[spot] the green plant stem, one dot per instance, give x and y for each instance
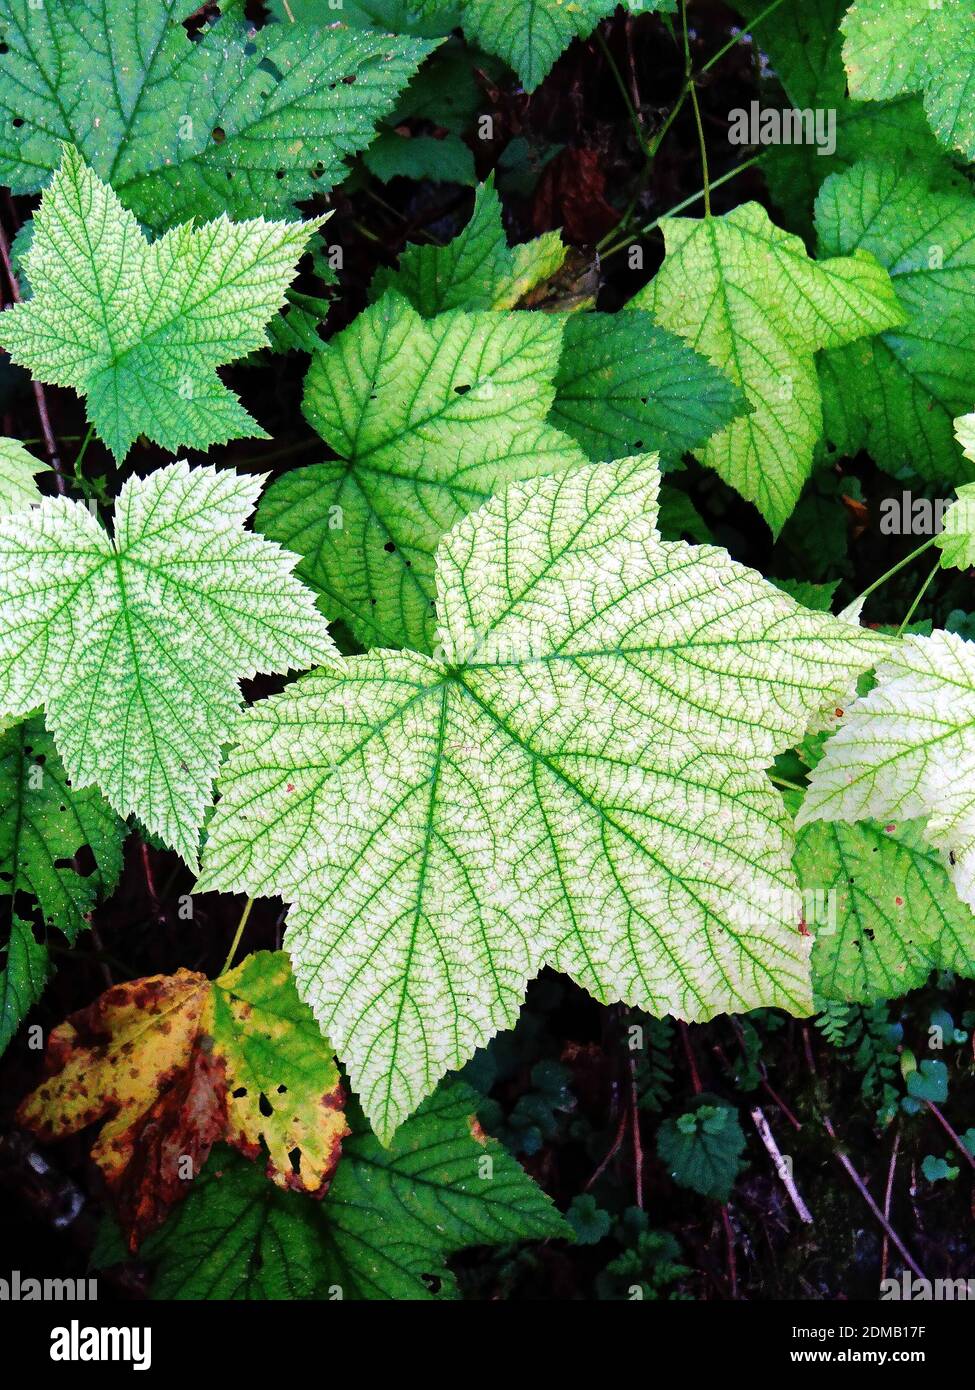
(65, 439)
(688, 70)
(80, 456)
(675, 111)
(746, 29)
(895, 569)
(679, 207)
(784, 782)
(237, 935)
(918, 597)
(653, 145)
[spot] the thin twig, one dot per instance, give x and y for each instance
(732, 1262)
(637, 1141)
(614, 1149)
(858, 1182)
(781, 1166)
(861, 1187)
(955, 1138)
(150, 883)
(102, 956)
(50, 443)
(888, 1192)
(685, 1038)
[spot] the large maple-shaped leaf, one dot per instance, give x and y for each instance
(746, 294)
(429, 419)
(906, 751)
(136, 643)
(18, 469)
(384, 1231)
(580, 781)
(45, 825)
(139, 327)
(928, 46)
(897, 394)
(174, 1063)
(241, 120)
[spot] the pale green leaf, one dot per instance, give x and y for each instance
(928, 46)
(428, 419)
(241, 120)
(388, 16)
(18, 469)
(746, 295)
(965, 434)
(957, 540)
(904, 751)
(135, 643)
(384, 1230)
(138, 328)
(580, 782)
(897, 394)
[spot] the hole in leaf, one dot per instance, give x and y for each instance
(219, 134)
(265, 1106)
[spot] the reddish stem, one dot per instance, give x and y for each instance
(637, 1141)
(685, 1038)
(50, 443)
(732, 1263)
